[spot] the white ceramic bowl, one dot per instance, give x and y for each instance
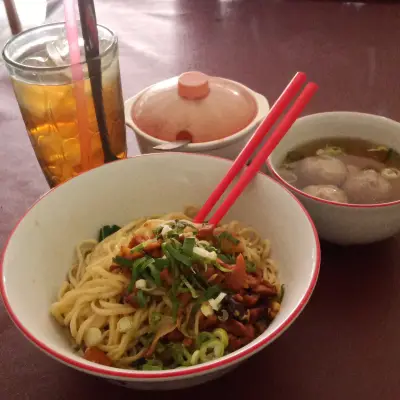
(41, 249)
(228, 147)
(340, 223)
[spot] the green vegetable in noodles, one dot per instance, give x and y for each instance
(221, 268)
(188, 245)
(152, 365)
(227, 259)
(142, 299)
(123, 262)
(190, 287)
(222, 335)
(250, 266)
(155, 273)
(107, 230)
(138, 248)
(226, 235)
(211, 349)
(195, 358)
(185, 260)
(204, 337)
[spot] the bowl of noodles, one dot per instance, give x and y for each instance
(119, 282)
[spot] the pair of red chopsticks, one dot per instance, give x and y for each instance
(287, 121)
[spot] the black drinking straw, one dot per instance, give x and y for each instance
(92, 52)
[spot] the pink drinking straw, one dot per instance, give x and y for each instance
(78, 83)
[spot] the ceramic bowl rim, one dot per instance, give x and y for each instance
(350, 114)
(116, 373)
(203, 146)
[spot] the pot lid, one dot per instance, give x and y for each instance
(194, 106)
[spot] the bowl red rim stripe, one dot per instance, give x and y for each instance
(201, 368)
(333, 203)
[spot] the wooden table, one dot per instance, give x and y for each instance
(345, 344)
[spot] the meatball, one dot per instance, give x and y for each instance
(322, 170)
(327, 192)
(367, 187)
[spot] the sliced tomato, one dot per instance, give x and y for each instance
(94, 354)
(237, 279)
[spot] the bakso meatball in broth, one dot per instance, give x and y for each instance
(367, 187)
(322, 170)
(327, 192)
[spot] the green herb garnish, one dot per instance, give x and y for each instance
(226, 235)
(188, 245)
(228, 259)
(107, 230)
(221, 268)
(190, 287)
(138, 248)
(250, 267)
(177, 255)
(141, 298)
(123, 262)
(152, 365)
(175, 306)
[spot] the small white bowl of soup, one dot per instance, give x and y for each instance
(117, 281)
(345, 168)
(217, 115)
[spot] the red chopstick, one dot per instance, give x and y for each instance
(285, 124)
(275, 112)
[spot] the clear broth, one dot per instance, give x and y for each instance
(358, 156)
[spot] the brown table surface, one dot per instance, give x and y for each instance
(345, 345)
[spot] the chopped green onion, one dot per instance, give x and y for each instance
(228, 259)
(197, 280)
(135, 272)
(190, 287)
(148, 278)
(157, 231)
(195, 357)
(161, 263)
(178, 256)
(123, 262)
(226, 235)
(203, 337)
(222, 335)
(250, 267)
(146, 262)
(181, 355)
(138, 248)
(389, 155)
(155, 273)
(221, 268)
(170, 259)
(152, 365)
(188, 245)
(175, 307)
(211, 292)
(211, 349)
(108, 230)
(142, 299)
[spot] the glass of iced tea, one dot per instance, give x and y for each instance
(38, 63)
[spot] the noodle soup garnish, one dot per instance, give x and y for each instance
(166, 292)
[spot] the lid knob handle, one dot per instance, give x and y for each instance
(193, 85)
